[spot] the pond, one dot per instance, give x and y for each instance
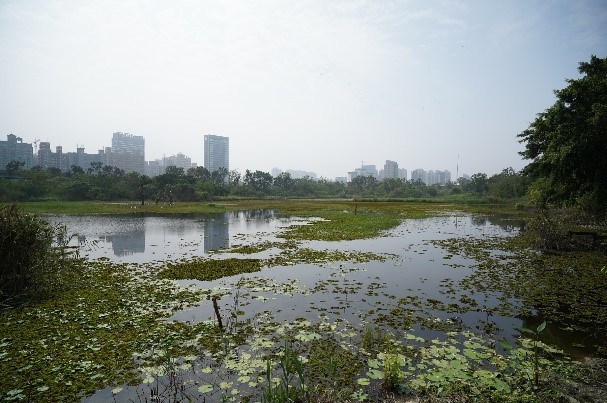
(141, 239)
(406, 281)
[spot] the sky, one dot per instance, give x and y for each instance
(314, 85)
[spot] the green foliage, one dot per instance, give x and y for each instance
(14, 166)
(28, 253)
(551, 230)
(205, 269)
(567, 142)
(507, 185)
(84, 338)
(105, 182)
(478, 183)
(338, 226)
(290, 386)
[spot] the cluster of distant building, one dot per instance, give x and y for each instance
(391, 170)
(294, 173)
(128, 153)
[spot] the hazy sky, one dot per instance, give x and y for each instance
(311, 85)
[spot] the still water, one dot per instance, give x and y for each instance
(415, 275)
(141, 239)
(413, 266)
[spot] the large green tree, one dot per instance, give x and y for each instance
(567, 143)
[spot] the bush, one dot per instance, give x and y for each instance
(27, 252)
(552, 229)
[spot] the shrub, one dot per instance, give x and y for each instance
(27, 252)
(551, 230)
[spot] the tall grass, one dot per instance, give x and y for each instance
(29, 252)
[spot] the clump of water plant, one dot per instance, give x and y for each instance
(339, 226)
(290, 385)
(208, 269)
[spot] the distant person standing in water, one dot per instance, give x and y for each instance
(141, 195)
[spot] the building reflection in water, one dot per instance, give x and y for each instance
(130, 241)
(216, 232)
(165, 235)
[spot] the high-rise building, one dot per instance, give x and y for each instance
(159, 166)
(128, 152)
(216, 152)
(364, 170)
(419, 175)
(390, 169)
(14, 149)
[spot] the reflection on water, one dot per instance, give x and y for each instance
(127, 244)
(136, 238)
(216, 233)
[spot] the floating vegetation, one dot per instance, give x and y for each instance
(82, 340)
(254, 248)
(564, 287)
(341, 226)
(208, 269)
(314, 256)
(355, 336)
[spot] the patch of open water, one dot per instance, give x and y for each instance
(417, 279)
(414, 269)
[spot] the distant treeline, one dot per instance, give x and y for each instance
(198, 184)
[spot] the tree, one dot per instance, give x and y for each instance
(220, 176)
(284, 183)
(478, 183)
(96, 168)
(76, 170)
(507, 185)
(362, 184)
(567, 143)
(14, 166)
(259, 181)
(200, 173)
(235, 177)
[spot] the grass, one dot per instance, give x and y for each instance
(304, 207)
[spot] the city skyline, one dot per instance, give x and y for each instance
(314, 85)
(134, 146)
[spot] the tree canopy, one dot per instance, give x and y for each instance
(567, 143)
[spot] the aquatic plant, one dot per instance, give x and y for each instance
(208, 269)
(32, 251)
(282, 389)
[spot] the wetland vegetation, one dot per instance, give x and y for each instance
(339, 301)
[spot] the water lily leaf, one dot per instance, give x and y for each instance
(373, 363)
(205, 388)
(375, 374)
(505, 345)
(360, 396)
(363, 381)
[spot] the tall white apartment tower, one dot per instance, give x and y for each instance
(216, 152)
(390, 169)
